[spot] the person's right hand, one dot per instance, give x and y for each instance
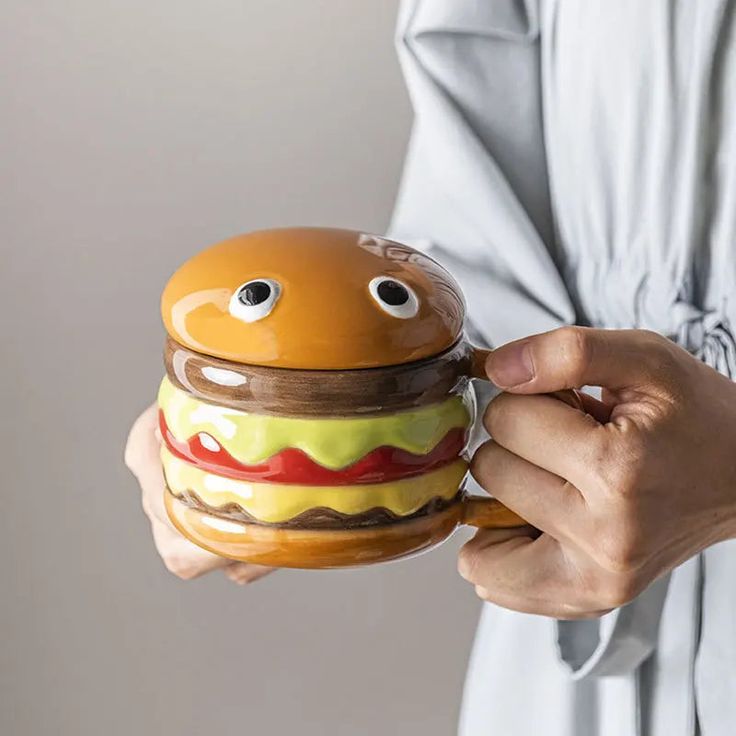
(181, 557)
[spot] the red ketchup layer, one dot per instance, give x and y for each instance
(291, 465)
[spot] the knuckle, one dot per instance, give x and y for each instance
(483, 460)
(180, 566)
(619, 556)
(599, 444)
(577, 351)
(154, 510)
(144, 425)
(468, 563)
(618, 591)
(657, 344)
(131, 456)
(619, 467)
(483, 593)
(663, 358)
(618, 551)
(497, 413)
(146, 505)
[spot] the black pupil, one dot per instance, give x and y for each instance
(256, 292)
(393, 293)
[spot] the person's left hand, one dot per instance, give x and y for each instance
(179, 555)
(621, 494)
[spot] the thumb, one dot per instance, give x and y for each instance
(573, 357)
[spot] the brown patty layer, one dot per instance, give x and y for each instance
(295, 392)
(319, 517)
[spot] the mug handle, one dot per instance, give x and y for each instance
(486, 512)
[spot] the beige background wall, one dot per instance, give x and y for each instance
(132, 133)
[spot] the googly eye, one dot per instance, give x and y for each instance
(255, 299)
(394, 297)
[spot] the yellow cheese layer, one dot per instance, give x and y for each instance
(278, 502)
(332, 442)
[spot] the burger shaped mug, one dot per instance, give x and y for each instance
(316, 405)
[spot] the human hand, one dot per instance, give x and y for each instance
(621, 494)
(179, 555)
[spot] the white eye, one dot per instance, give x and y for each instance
(255, 299)
(394, 297)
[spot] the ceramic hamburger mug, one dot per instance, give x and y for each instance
(317, 403)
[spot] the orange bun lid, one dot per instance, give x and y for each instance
(313, 298)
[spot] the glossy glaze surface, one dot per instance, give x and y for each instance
(274, 503)
(292, 465)
(302, 392)
(306, 548)
(323, 310)
(317, 402)
(332, 442)
(313, 471)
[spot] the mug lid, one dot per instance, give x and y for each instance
(313, 298)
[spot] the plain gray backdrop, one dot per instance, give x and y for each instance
(133, 133)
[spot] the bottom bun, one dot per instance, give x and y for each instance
(311, 548)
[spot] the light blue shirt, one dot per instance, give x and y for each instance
(574, 161)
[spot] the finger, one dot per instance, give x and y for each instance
(496, 536)
(142, 456)
(243, 573)
(180, 556)
(548, 433)
(599, 410)
(522, 574)
(153, 488)
(573, 357)
(557, 612)
(142, 444)
(545, 500)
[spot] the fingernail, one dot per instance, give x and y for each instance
(511, 365)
